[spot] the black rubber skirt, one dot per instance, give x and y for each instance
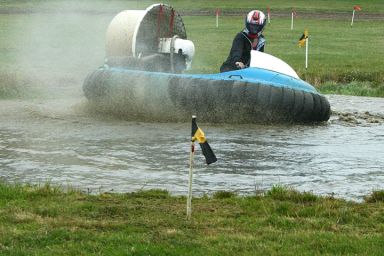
(146, 96)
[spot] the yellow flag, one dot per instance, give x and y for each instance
(199, 136)
(303, 38)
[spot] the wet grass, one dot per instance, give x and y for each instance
(355, 88)
(340, 60)
(15, 84)
(44, 220)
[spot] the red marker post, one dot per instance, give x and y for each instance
(355, 8)
(217, 17)
(293, 14)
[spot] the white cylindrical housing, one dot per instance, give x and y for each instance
(138, 32)
(120, 33)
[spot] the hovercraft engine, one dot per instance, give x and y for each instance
(152, 40)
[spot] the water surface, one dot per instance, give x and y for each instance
(60, 142)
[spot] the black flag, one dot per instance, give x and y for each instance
(198, 134)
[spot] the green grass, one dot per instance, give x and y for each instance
(65, 49)
(337, 52)
(44, 220)
(16, 84)
(325, 6)
(355, 88)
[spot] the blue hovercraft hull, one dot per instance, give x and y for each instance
(249, 95)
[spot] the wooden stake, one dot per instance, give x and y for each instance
(189, 199)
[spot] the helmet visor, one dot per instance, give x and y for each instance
(255, 28)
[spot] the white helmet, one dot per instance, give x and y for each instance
(255, 22)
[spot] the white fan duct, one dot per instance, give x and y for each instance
(158, 30)
(269, 62)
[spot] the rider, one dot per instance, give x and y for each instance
(250, 38)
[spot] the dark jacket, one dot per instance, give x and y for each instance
(241, 51)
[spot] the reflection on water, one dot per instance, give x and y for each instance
(60, 143)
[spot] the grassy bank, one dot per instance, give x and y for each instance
(15, 84)
(338, 54)
(325, 6)
(46, 221)
(71, 44)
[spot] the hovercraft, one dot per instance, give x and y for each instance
(142, 79)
